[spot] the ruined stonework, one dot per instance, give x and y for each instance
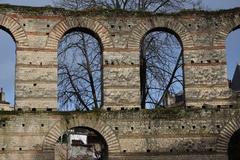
(200, 131)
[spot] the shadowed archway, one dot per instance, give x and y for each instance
(234, 146)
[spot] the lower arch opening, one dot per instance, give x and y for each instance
(81, 143)
(234, 146)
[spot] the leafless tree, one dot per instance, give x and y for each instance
(161, 68)
(161, 58)
(79, 72)
(133, 5)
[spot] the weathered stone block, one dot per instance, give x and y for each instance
(37, 58)
(120, 96)
(114, 77)
(36, 74)
(35, 90)
(206, 75)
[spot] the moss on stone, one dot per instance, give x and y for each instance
(144, 114)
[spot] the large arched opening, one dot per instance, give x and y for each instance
(234, 146)
(233, 59)
(81, 143)
(7, 69)
(80, 70)
(161, 69)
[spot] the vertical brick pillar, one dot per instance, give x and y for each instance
(205, 67)
(36, 66)
(205, 76)
(36, 79)
(121, 79)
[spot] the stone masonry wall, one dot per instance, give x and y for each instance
(200, 131)
(158, 134)
(37, 32)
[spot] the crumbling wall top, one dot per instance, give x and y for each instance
(52, 11)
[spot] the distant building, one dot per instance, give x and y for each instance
(4, 105)
(235, 85)
(173, 100)
(79, 143)
(2, 95)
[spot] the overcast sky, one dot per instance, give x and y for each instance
(7, 46)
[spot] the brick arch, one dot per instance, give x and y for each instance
(61, 126)
(69, 23)
(224, 28)
(15, 29)
(140, 31)
(226, 134)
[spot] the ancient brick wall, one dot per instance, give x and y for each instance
(37, 32)
(160, 134)
(201, 133)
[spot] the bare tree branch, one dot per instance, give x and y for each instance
(136, 5)
(80, 83)
(79, 72)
